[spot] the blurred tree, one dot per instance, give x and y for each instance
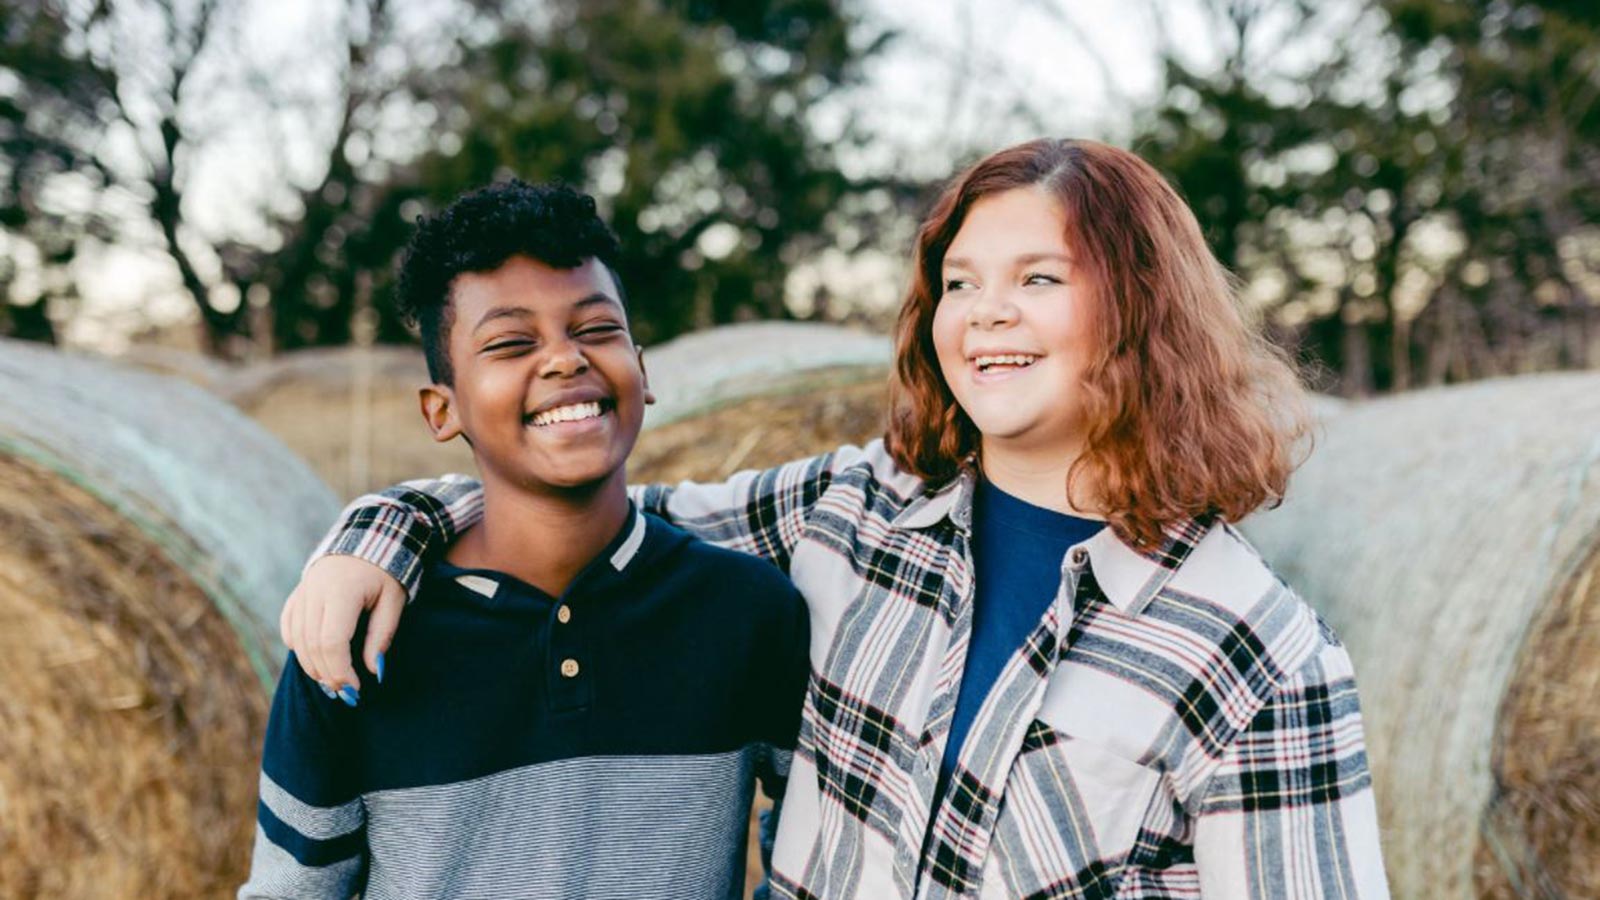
(1415, 205)
(692, 122)
(96, 114)
(47, 94)
(695, 122)
(1524, 117)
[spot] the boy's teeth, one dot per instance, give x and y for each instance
(568, 413)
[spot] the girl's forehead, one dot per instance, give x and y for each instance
(1026, 221)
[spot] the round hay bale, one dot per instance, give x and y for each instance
(705, 370)
(351, 413)
(811, 415)
(1452, 537)
(150, 534)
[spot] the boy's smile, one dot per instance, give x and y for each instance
(549, 388)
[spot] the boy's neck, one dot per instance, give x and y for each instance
(545, 539)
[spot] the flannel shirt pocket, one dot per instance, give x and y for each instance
(1095, 799)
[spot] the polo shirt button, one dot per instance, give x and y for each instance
(569, 668)
(564, 614)
(1079, 556)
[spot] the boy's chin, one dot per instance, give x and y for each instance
(575, 478)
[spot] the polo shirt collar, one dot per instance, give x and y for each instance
(1130, 577)
(615, 560)
(622, 555)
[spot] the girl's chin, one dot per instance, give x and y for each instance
(1031, 437)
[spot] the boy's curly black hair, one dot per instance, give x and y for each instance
(478, 232)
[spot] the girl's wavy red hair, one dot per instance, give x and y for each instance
(1190, 412)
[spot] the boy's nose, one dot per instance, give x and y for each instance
(563, 360)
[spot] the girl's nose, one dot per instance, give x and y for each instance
(992, 308)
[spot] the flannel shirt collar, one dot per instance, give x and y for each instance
(1129, 577)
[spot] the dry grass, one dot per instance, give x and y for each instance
(131, 720)
(1542, 835)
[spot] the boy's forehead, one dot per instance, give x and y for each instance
(528, 287)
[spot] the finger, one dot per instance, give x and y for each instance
(338, 628)
(381, 626)
(290, 629)
(307, 621)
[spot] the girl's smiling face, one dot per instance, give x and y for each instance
(1012, 325)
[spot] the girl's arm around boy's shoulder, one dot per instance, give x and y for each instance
(394, 528)
(757, 512)
(763, 511)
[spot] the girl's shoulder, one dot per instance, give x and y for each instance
(1229, 574)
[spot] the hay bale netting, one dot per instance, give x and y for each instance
(150, 533)
(1452, 537)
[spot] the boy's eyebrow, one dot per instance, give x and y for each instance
(598, 297)
(502, 312)
(961, 262)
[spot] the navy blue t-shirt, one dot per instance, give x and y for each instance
(1017, 549)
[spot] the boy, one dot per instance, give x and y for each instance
(582, 696)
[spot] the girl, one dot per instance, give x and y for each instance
(1044, 662)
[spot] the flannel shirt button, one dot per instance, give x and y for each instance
(569, 668)
(564, 614)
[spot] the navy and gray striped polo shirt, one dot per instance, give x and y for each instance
(604, 743)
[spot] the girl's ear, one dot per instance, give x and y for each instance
(439, 410)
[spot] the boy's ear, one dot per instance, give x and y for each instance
(648, 396)
(439, 409)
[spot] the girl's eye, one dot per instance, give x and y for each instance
(956, 284)
(603, 330)
(1040, 278)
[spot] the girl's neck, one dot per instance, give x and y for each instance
(1040, 478)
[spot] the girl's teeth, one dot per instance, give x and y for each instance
(1010, 359)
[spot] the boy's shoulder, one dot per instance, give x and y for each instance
(690, 554)
(714, 572)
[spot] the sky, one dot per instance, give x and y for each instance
(960, 77)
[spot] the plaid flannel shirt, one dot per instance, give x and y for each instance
(1178, 724)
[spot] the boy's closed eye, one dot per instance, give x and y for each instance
(509, 346)
(600, 330)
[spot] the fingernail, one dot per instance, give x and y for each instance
(380, 668)
(349, 695)
(327, 690)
